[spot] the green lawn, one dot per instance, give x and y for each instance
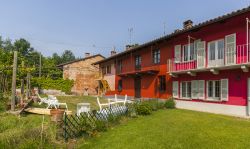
(175, 129)
(163, 129)
(73, 100)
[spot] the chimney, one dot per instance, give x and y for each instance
(86, 54)
(128, 47)
(188, 24)
(113, 52)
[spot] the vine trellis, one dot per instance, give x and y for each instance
(4, 82)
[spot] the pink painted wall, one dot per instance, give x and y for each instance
(214, 32)
(237, 78)
(237, 81)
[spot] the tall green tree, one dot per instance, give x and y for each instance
(67, 56)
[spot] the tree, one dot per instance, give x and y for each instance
(67, 56)
(56, 58)
(23, 47)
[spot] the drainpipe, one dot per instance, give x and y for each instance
(247, 42)
(247, 38)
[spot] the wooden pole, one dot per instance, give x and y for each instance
(13, 92)
(22, 91)
(28, 86)
(40, 65)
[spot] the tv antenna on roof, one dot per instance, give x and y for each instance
(164, 27)
(130, 30)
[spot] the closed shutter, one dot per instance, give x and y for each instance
(194, 86)
(201, 54)
(230, 49)
(224, 89)
(201, 89)
(175, 89)
(177, 53)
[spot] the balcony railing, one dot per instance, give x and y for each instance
(202, 60)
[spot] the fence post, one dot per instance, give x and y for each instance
(13, 93)
(65, 127)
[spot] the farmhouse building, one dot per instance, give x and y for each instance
(84, 74)
(204, 67)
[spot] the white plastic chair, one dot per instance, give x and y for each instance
(121, 100)
(101, 105)
(52, 101)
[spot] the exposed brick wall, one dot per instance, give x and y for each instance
(84, 75)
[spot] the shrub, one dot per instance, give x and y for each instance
(101, 126)
(170, 103)
(48, 83)
(143, 109)
(161, 105)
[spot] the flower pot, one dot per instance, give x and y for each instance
(56, 115)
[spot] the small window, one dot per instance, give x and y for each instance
(138, 62)
(162, 83)
(186, 89)
(120, 85)
(156, 56)
(108, 69)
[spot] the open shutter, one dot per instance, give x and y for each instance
(201, 57)
(181, 89)
(224, 89)
(175, 89)
(201, 89)
(177, 53)
(194, 89)
(230, 49)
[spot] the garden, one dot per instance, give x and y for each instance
(153, 124)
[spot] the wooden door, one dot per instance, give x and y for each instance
(137, 85)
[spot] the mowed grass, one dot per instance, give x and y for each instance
(163, 129)
(72, 101)
(167, 129)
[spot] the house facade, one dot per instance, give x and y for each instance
(106, 79)
(209, 66)
(84, 74)
(204, 67)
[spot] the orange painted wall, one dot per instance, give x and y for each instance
(149, 83)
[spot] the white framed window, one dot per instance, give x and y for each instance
(216, 52)
(188, 52)
(197, 89)
(213, 90)
(186, 90)
(217, 90)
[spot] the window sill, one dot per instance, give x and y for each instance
(185, 98)
(212, 100)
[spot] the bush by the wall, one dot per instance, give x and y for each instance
(170, 103)
(48, 83)
(143, 109)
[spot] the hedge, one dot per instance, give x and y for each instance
(58, 84)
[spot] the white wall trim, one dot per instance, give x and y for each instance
(231, 110)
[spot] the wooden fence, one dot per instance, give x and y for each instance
(75, 126)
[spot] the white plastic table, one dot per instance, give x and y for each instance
(83, 107)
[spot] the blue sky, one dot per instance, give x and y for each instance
(96, 26)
